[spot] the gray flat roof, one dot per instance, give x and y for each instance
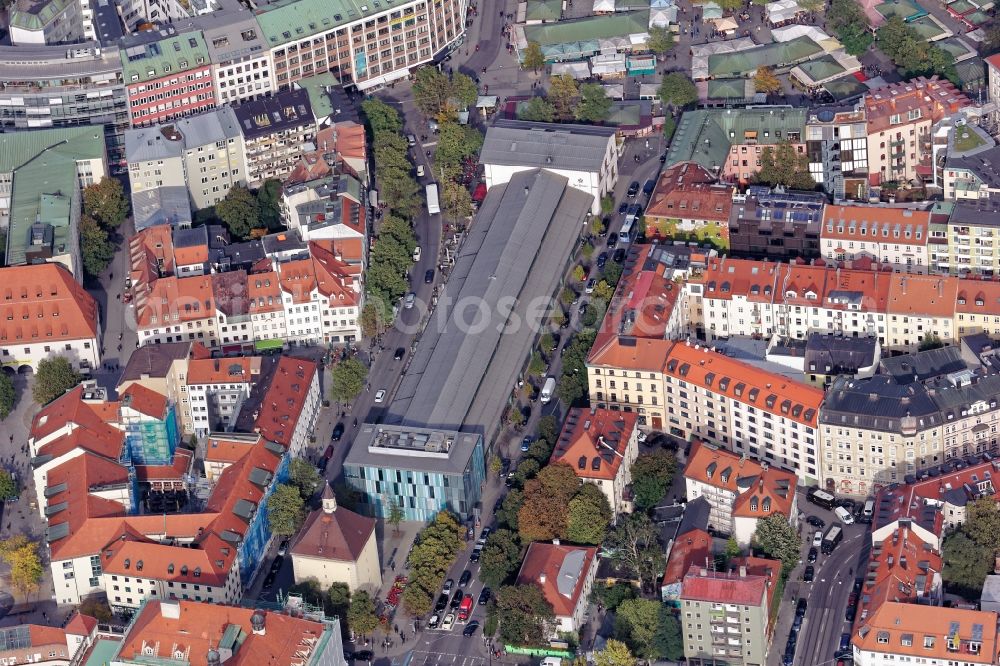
(157, 142)
(33, 63)
(457, 378)
(161, 205)
(546, 145)
(229, 35)
(416, 449)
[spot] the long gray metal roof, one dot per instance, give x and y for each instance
(416, 449)
(160, 142)
(516, 253)
(546, 145)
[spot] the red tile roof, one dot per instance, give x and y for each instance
(594, 437)
(145, 401)
(688, 190)
(43, 302)
(726, 588)
(951, 631)
(935, 98)
(770, 490)
(239, 370)
(927, 295)
(199, 627)
(339, 535)
(693, 548)
(282, 404)
(207, 562)
(542, 566)
(183, 463)
(172, 300)
(900, 568)
(876, 224)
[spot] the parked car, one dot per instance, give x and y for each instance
(442, 602)
(338, 432)
(470, 628)
(434, 621)
(420, 171)
(800, 606)
(400, 353)
(619, 256)
(850, 613)
(817, 539)
(379, 395)
(283, 548)
(602, 259)
(476, 552)
(816, 521)
(663, 158)
(526, 443)
(411, 298)
(648, 187)
(813, 554)
(429, 276)
(448, 586)
(622, 207)
(449, 622)
(466, 577)
(633, 188)
(484, 596)
(456, 600)
(591, 284)
(809, 574)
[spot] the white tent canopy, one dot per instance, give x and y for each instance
(604, 6)
(608, 63)
(577, 69)
(782, 11)
(614, 90)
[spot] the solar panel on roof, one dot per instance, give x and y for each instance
(15, 638)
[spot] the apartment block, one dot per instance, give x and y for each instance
(167, 76)
(565, 575)
(601, 445)
(686, 198)
(900, 118)
(276, 132)
(724, 616)
(775, 223)
(895, 236)
(972, 236)
(241, 62)
(200, 158)
(739, 490)
(366, 47)
(897, 632)
(38, 22)
(837, 146)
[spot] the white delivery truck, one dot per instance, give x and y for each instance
(547, 389)
(433, 207)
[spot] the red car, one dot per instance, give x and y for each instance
(329, 452)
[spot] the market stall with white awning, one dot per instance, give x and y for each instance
(578, 69)
(608, 64)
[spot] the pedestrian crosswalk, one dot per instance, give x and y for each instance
(423, 658)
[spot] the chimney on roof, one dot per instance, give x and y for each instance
(541, 578)
(556, 542)
(213, 658)
(257, 624)
(170, 610)
(743, 571)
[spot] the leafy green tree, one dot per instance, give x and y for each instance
(312, 594)
(464, 90)
(668, 642)
(239, 211)
(432, 555)
(765, 81)
(534, 59)
(660, 40)
(500, 558)
(537, 110)
(911, 53)
(285, 510)
(544, 513)
(395, 516)
(677, 90)
(8, 396)
(982, 523)
(603, 291)
(348, 380)
(526, 470)
(784, 165)
(562, 95)
(55, 376)
(612, 273)
(398, 190)
(456, 200)
(269, 204)
(361, 615)
(96, 250)
(8, 489)
(524, 615)
(303, 475)
(636, 622)
(652, 474)
(97, 609)
(456, 143)
(929, 342)
(431, 89)
(507, 514)
(390, 152)
(732, 550)
(849, 23)
(612, 596)
(615, 653)
(966, 563)
(594, 106)
(339, 599)
(573, 384)
(634, 542)
(589, 516)
(548, 426)
(776, 539)
(106, 202)
(381, 117)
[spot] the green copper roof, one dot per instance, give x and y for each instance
(748, 61)
(315, 87)
(544, 10)
(621, 24)
(705, 136)
(44, 163)
(179, 53)
(36, 15)
(291, 20)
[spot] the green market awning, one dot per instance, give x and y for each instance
(268, 345)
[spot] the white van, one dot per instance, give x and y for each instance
(548, 389)
(844, 515)
(416, 253)
(869, 509)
